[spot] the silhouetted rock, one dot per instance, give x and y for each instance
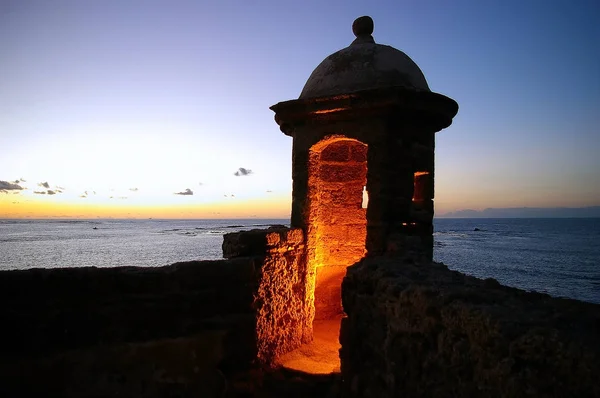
(425, 331)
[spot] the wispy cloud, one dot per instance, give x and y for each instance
(48, 191)
(6, 186)
(133, 189)
(242, 172)
(186, 192)
(85, 194)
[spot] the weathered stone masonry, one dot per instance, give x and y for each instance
(190, 329)
(365, 120)
(425, 331)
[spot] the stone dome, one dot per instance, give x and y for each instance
(363, 65)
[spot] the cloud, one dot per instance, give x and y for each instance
(242, 172)
(44, 184)
(6, 186)
(200, 183)
(269, 191)
(186, 192)
(39, 192)
(51, 192)
(133, 189)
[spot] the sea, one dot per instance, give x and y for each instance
(557, 256)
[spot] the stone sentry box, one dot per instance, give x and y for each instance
(366, 118)
(365, 121)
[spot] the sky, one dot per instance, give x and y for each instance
(160, 109)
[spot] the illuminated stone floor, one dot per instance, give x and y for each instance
(322, 355)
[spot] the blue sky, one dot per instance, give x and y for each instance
(140, 100)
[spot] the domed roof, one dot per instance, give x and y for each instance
(363, 65)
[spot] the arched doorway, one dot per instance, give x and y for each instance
(336, 230)
(335, 238)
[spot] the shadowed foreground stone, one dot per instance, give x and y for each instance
(426, 331)
(195, 329)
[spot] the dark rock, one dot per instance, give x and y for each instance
(426, 331)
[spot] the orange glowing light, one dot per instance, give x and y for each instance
(421, 189)
(321, 356)
(328, 111)
(335, 239)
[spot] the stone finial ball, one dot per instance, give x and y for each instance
(362, 26)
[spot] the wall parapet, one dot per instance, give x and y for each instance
(427, 331)
(283, 299)
(196, 328)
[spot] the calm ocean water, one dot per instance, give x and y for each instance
(560, 257)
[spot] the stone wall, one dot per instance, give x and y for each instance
(283, 296)
(190, 329)
(426, 331)
(399, 177)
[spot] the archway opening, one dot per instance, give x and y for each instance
(336, 235)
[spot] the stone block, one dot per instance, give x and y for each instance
(328, 299)
(256, 242)
(338, 151)
(347, 197)
(358, 153)
(342, 173)
(349, 217)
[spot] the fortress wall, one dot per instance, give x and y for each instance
(189, 329)
(426, 331)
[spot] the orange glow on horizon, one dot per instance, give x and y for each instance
(272, 207)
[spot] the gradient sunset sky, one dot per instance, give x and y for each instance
(141, 108)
